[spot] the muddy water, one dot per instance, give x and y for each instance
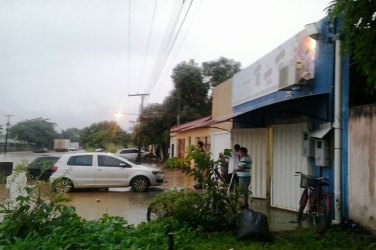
(132, 206)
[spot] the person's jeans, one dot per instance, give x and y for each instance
(244, 183)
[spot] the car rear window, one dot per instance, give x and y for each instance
(108, 161)
(42, 161)
(80, 160)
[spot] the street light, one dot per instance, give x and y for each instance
(6, 133)
(119, 114)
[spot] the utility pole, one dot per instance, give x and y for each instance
(141, 109)
(6, 133)
(142, 100)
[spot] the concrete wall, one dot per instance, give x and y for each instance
(362, 166)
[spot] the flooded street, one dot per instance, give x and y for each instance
(123, 202)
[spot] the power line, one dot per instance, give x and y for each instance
(184, 37)
(149, 42)
(188, 29)
(154, 81)
(177, 19)
(165, 46)
(129, 41)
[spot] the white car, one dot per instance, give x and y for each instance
(131, 153)
(102, 170)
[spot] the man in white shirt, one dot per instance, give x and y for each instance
(234, 159)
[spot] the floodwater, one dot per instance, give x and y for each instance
(123, 202)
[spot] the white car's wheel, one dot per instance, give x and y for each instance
(140, 184)
(63, 185)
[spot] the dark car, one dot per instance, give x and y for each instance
(40, 168)
(40, 150)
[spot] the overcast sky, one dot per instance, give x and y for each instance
(75, 62)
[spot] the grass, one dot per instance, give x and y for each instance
(335, 238)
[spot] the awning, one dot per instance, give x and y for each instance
(320, 133)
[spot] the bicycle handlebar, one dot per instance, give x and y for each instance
(322, 179)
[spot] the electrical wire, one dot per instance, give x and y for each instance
(148, 43)
(165, 48)
(129, 41)
(188, 29)
(127, 83)
(184, 37)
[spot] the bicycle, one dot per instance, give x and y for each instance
(318, 201)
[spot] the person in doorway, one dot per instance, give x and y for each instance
(200, 146)
(244, 174)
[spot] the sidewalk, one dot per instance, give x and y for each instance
(278, 219)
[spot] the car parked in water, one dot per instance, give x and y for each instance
(41, 167)
(131, 153)
(102, 170)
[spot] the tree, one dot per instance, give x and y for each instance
(188, 101)
(37, 131)
(104, 135)
(154, 127)
(190, 91)
(218, 71)
(73, 134)
(358, 33)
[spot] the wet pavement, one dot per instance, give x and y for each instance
(123, 202)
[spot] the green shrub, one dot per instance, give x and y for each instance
(212, 210)
(42, 220)
(174, 162)
(194, 210)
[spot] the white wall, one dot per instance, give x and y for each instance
(287, 158)
(255, 140)
(219, 142)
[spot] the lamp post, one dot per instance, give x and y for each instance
(6, 133)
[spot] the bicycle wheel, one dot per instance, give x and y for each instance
(302, 204)
(322, 217)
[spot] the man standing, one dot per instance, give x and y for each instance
(244, 174)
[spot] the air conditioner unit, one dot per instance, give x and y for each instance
(291, 76)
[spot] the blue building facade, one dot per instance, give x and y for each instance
(262, 100)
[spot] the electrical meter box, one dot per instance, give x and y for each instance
(308, 145)
(321, 153)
